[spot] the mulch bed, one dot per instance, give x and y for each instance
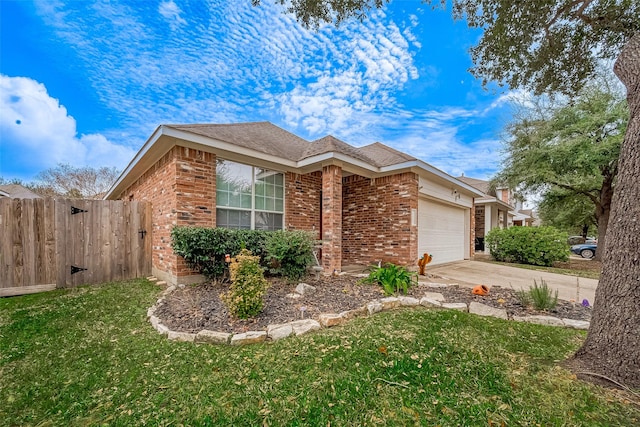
(193, 308)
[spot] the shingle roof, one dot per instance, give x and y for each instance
(17, 191)
(268, 138)
(383, 155)
(330, 144)
(480, 184)
(264, 137)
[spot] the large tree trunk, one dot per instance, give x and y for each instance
(612, 347)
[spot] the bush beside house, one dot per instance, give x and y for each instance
(528, 245)
(284, 253)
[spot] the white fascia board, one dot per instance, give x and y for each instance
(490, 200)
(486, 200)
(331, 156)
(145, 148)
(519, 215)
(434, 171)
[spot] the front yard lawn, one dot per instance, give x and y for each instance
(88, 356)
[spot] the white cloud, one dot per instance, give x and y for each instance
(36, 128)
(257, 62)
(172, 13)
(232, 62)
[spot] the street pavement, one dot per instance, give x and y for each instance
(472, 273)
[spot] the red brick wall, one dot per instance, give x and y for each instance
(332, 218)
(376, 219)
(302, 199)
(181, 189)
(195, 187)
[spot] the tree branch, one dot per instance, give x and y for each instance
(579, 14)
(591, 197)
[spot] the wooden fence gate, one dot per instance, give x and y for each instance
(55, 243)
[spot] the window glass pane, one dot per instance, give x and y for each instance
(268, 221)
(228, 218)
(221, 184)
(234, 178)
(222, 198)
(222, 218)
(260, 188)
(277, 221)
(270, 190)
(234, 199)
(246, 201)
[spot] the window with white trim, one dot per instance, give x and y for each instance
(248, 197)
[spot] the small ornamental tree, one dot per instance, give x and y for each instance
(245, 297)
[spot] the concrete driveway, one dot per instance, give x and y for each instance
(472, 273)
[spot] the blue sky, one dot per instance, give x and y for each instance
(87, 82)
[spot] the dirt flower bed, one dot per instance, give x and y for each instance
(196, 307)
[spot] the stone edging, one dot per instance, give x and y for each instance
(327, 320)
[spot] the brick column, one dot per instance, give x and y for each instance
(332, 218)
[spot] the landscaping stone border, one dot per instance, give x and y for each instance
(327, 320)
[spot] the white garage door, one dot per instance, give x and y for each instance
(441, 231)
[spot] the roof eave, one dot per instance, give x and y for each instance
(190, 140)
(136, 159)
(435, 171)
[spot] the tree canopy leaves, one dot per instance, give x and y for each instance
(570, 156)
(547, 46)
(572, 149)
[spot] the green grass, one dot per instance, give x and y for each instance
(88, 357)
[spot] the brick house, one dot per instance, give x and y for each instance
(366, 204)
(497, 208)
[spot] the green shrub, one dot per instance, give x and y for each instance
(528, 245)
(393, 278)
(204, 248)
(245, 297)
(289, 253)
(540, 297)
(285, 253)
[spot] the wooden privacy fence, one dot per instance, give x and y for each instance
(55, 243)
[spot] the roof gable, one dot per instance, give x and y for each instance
(384, 155)
(480, 184)
(17, 191)
(330, 144)
(264, 137)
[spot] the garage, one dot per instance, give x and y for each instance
(442, 231)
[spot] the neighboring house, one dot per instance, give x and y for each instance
(531, 218)
(366, 204)
(17, 191)
(497, 208)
